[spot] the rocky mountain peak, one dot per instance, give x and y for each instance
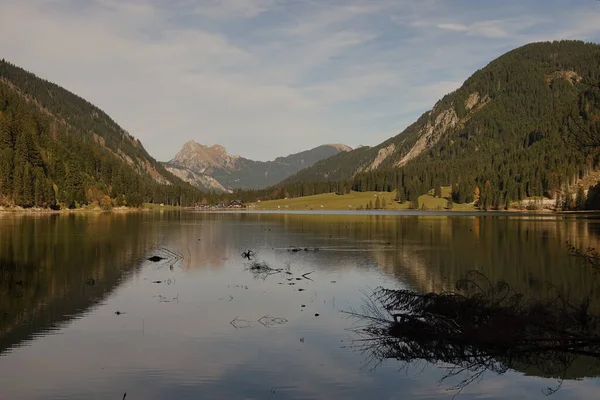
(196, 163)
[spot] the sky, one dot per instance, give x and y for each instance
(266, 78)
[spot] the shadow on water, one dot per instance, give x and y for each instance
(55, 268)
(480, 327)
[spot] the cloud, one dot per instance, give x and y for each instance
(270, 77)
(453, 27)
(487, 29)
(492, 29)
(230, 9)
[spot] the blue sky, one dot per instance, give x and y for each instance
(266, 78)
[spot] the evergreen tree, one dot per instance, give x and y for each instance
(506, 203)
(580, 198)
(400, 195)
(455, 194)
(486, 197)
(27, 194)
(593, 198)
(18, 183)
(6, 172)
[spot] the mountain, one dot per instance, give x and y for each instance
(509, 132)
(213, 168)
(199, 180)
(57, 149)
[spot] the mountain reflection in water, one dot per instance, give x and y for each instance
(64, 277)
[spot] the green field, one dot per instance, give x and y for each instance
(158, 207)
(357, 200)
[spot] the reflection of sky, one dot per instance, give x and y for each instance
(175, 339)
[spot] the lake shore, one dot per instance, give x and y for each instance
(87, 209)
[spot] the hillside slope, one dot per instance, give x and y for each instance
(198, 164)
(58, 149)
(507, 130)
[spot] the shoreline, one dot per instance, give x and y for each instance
(87, 210)
(507, 213)
(156, 208)
(409, 210)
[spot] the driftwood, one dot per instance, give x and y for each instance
(168, 256)
(262, 270)
(482, 326)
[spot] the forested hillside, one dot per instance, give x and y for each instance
(58, 150)
(507, 133)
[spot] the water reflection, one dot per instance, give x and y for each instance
(174, 338)
(54, 267)
(480, 326)
(430, 253)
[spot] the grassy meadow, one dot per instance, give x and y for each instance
(359, 200)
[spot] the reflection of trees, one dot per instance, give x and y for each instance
(53, 267)
(527, 253)
(431, 252)
(480, 327)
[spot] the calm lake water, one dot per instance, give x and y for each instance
(204, 327)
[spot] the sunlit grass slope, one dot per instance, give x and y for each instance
(358, 200)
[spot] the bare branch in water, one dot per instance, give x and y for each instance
(480, 327)
(589, 257)
(262, 270)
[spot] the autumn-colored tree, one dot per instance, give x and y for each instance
(476, 193)
(105, 203)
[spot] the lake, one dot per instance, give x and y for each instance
(84, 313)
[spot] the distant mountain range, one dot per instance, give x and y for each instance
(212, 168)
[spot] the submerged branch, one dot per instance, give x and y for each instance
(481, 326)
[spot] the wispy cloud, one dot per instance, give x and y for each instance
(494, 29)
(231, 9)
(271, 77)
(454, 27)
